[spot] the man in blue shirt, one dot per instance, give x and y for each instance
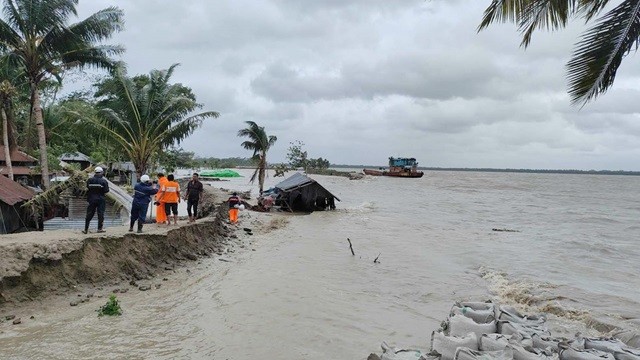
(141, 199)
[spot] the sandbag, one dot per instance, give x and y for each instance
(627, 354)
(631, 338)
(520, 353)
(460, 325)
(481, 316)
(610, 345)
(446, 346)
(547, 342)
(493, 342)
(509, 313)
(570, 353)
(508, 328)
(393, 353)
(468, 354)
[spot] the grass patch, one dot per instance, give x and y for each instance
(111, 308)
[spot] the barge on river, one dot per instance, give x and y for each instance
(398, 167)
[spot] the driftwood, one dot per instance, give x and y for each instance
(505, 230)
(375, 261)
(351, 247)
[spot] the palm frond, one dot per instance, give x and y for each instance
(595, 61)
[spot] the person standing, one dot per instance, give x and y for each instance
(234, 202)
(170, 196)
(141, 199)
(161, 216)
(97, 188)
(193, 196)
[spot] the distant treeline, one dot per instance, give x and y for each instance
(533, 171)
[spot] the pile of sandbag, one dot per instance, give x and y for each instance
(488, 331)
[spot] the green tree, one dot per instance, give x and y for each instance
(296, 156)
(260, 143)
(35, 36)
(147, 114)
(597, 56)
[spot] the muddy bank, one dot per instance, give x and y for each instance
(39, 264)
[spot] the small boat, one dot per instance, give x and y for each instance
(398, 167)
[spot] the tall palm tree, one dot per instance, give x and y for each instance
(7, 91)
(260, 143)
(597, 56)
(147, 114)
(36, 37)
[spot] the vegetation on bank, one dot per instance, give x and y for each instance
(111, 308)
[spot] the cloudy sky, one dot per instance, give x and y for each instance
(361, 80)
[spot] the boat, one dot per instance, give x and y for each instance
(398, 167)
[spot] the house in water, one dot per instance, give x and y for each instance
(301, 193)
(12, 216)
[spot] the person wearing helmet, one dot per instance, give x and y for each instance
(141, 199)
(234, 203)
(97, 188)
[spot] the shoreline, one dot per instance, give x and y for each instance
(36, 267)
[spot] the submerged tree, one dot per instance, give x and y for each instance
(147, 114)
(595, 61)
(260, 143)
(35, 36)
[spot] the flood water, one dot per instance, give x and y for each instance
(302, 295)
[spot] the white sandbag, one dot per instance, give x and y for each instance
(631, 338)
(546, 342)
(610, 345)
(475, 305)
(468, 354)
(393, 353)
(627, 354)
(493, 342)
(509, 328)
(569, 353)
(460, 325)
(509, 313)
(520, 353)
(482, 316)
(446, 346)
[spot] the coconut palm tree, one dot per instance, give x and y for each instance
(7, 91)
(597, 56)
(260, 143)
(146, 114)
(35, 36)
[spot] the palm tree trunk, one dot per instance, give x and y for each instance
(42, 137)
(5, 141)
(263, 165)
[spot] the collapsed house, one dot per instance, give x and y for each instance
(12, 216)
(301, 193)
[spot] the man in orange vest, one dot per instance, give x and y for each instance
(161, 216)
(170, 196)
(234, 202)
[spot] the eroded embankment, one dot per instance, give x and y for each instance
(35, 268)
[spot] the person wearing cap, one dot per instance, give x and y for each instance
(141, 199)
(97, 188)
(234, 202)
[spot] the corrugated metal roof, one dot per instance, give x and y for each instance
(77, 156)
(18, 156)
(294, 181)
(299, 180)
(17, 170)
(12, 193)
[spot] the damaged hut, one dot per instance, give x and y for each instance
(301, 193)
(12, 216)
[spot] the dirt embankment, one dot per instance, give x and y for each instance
(35, 265)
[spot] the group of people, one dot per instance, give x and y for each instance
(167, 197)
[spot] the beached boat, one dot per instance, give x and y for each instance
(398, 167)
